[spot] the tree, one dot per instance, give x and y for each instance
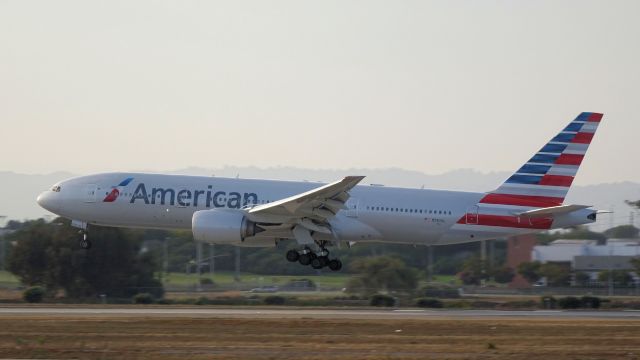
(622, 232)
(474, 270)
(576, 232)
(556, 274)
(619, 277)
(635, 262)
(382, 273)
(503, 274)
(582, 279)
(47, 254)
(530, 271)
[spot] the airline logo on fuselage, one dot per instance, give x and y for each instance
(194, 198)
(115, 190)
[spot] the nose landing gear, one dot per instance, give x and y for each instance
(84, 242)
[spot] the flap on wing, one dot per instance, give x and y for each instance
(332, 196)
(552, 211)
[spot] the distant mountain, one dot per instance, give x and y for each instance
(19, 191)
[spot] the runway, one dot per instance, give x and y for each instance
(293, 313)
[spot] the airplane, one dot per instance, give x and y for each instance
(260, 213)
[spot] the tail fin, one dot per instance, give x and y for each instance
(545, 179)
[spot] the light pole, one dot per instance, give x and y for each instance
(610, 268)
(2, 243)
(212, 261)
(237, 265)
(429, 262)
(198, 263)
(165, 255)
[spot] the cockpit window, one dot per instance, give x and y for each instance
(56, 188)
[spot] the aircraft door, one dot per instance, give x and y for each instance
(472, 215)
(90, 193)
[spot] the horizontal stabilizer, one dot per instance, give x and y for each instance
(552, 211)
(604, 212)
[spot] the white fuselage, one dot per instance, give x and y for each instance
(374, 213)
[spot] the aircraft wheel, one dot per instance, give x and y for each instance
(335, 265)
(304, 259)
(316, 263)
(324, 260)
(85, 244)
(292, 256)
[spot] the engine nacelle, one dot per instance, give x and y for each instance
(222, 226)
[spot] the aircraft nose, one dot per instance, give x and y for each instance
(47, 201)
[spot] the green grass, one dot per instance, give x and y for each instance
(8, 278)
(447, 279)
(227, 278)
(336, 281)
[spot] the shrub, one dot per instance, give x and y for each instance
(519, 304)
(429, 303)
(591, 302)
(569, 302)
(469, 278)
(503, 274)
(382, 300)
(143, 298)
(443, 292)
(33, 294)
(457, 304)
(274, 300)
(481, 304)
(206, 281)
(548, 302)
(202, 301)
(582, 279)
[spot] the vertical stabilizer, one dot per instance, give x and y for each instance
(545, 179)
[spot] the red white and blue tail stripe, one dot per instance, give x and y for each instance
(542, 182)
(545, 179)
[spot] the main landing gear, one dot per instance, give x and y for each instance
(316, 260)
(85, 243)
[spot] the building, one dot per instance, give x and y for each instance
(589, 257)
(518, 251)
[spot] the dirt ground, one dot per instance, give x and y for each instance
(142, 337)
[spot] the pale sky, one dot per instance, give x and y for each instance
(92, 86)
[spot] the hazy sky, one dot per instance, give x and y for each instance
(90, 86)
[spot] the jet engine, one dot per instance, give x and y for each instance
(219, 226)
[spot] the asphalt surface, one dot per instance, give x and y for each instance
(198, 312)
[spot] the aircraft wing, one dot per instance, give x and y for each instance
(310, 209)
(552, 211)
